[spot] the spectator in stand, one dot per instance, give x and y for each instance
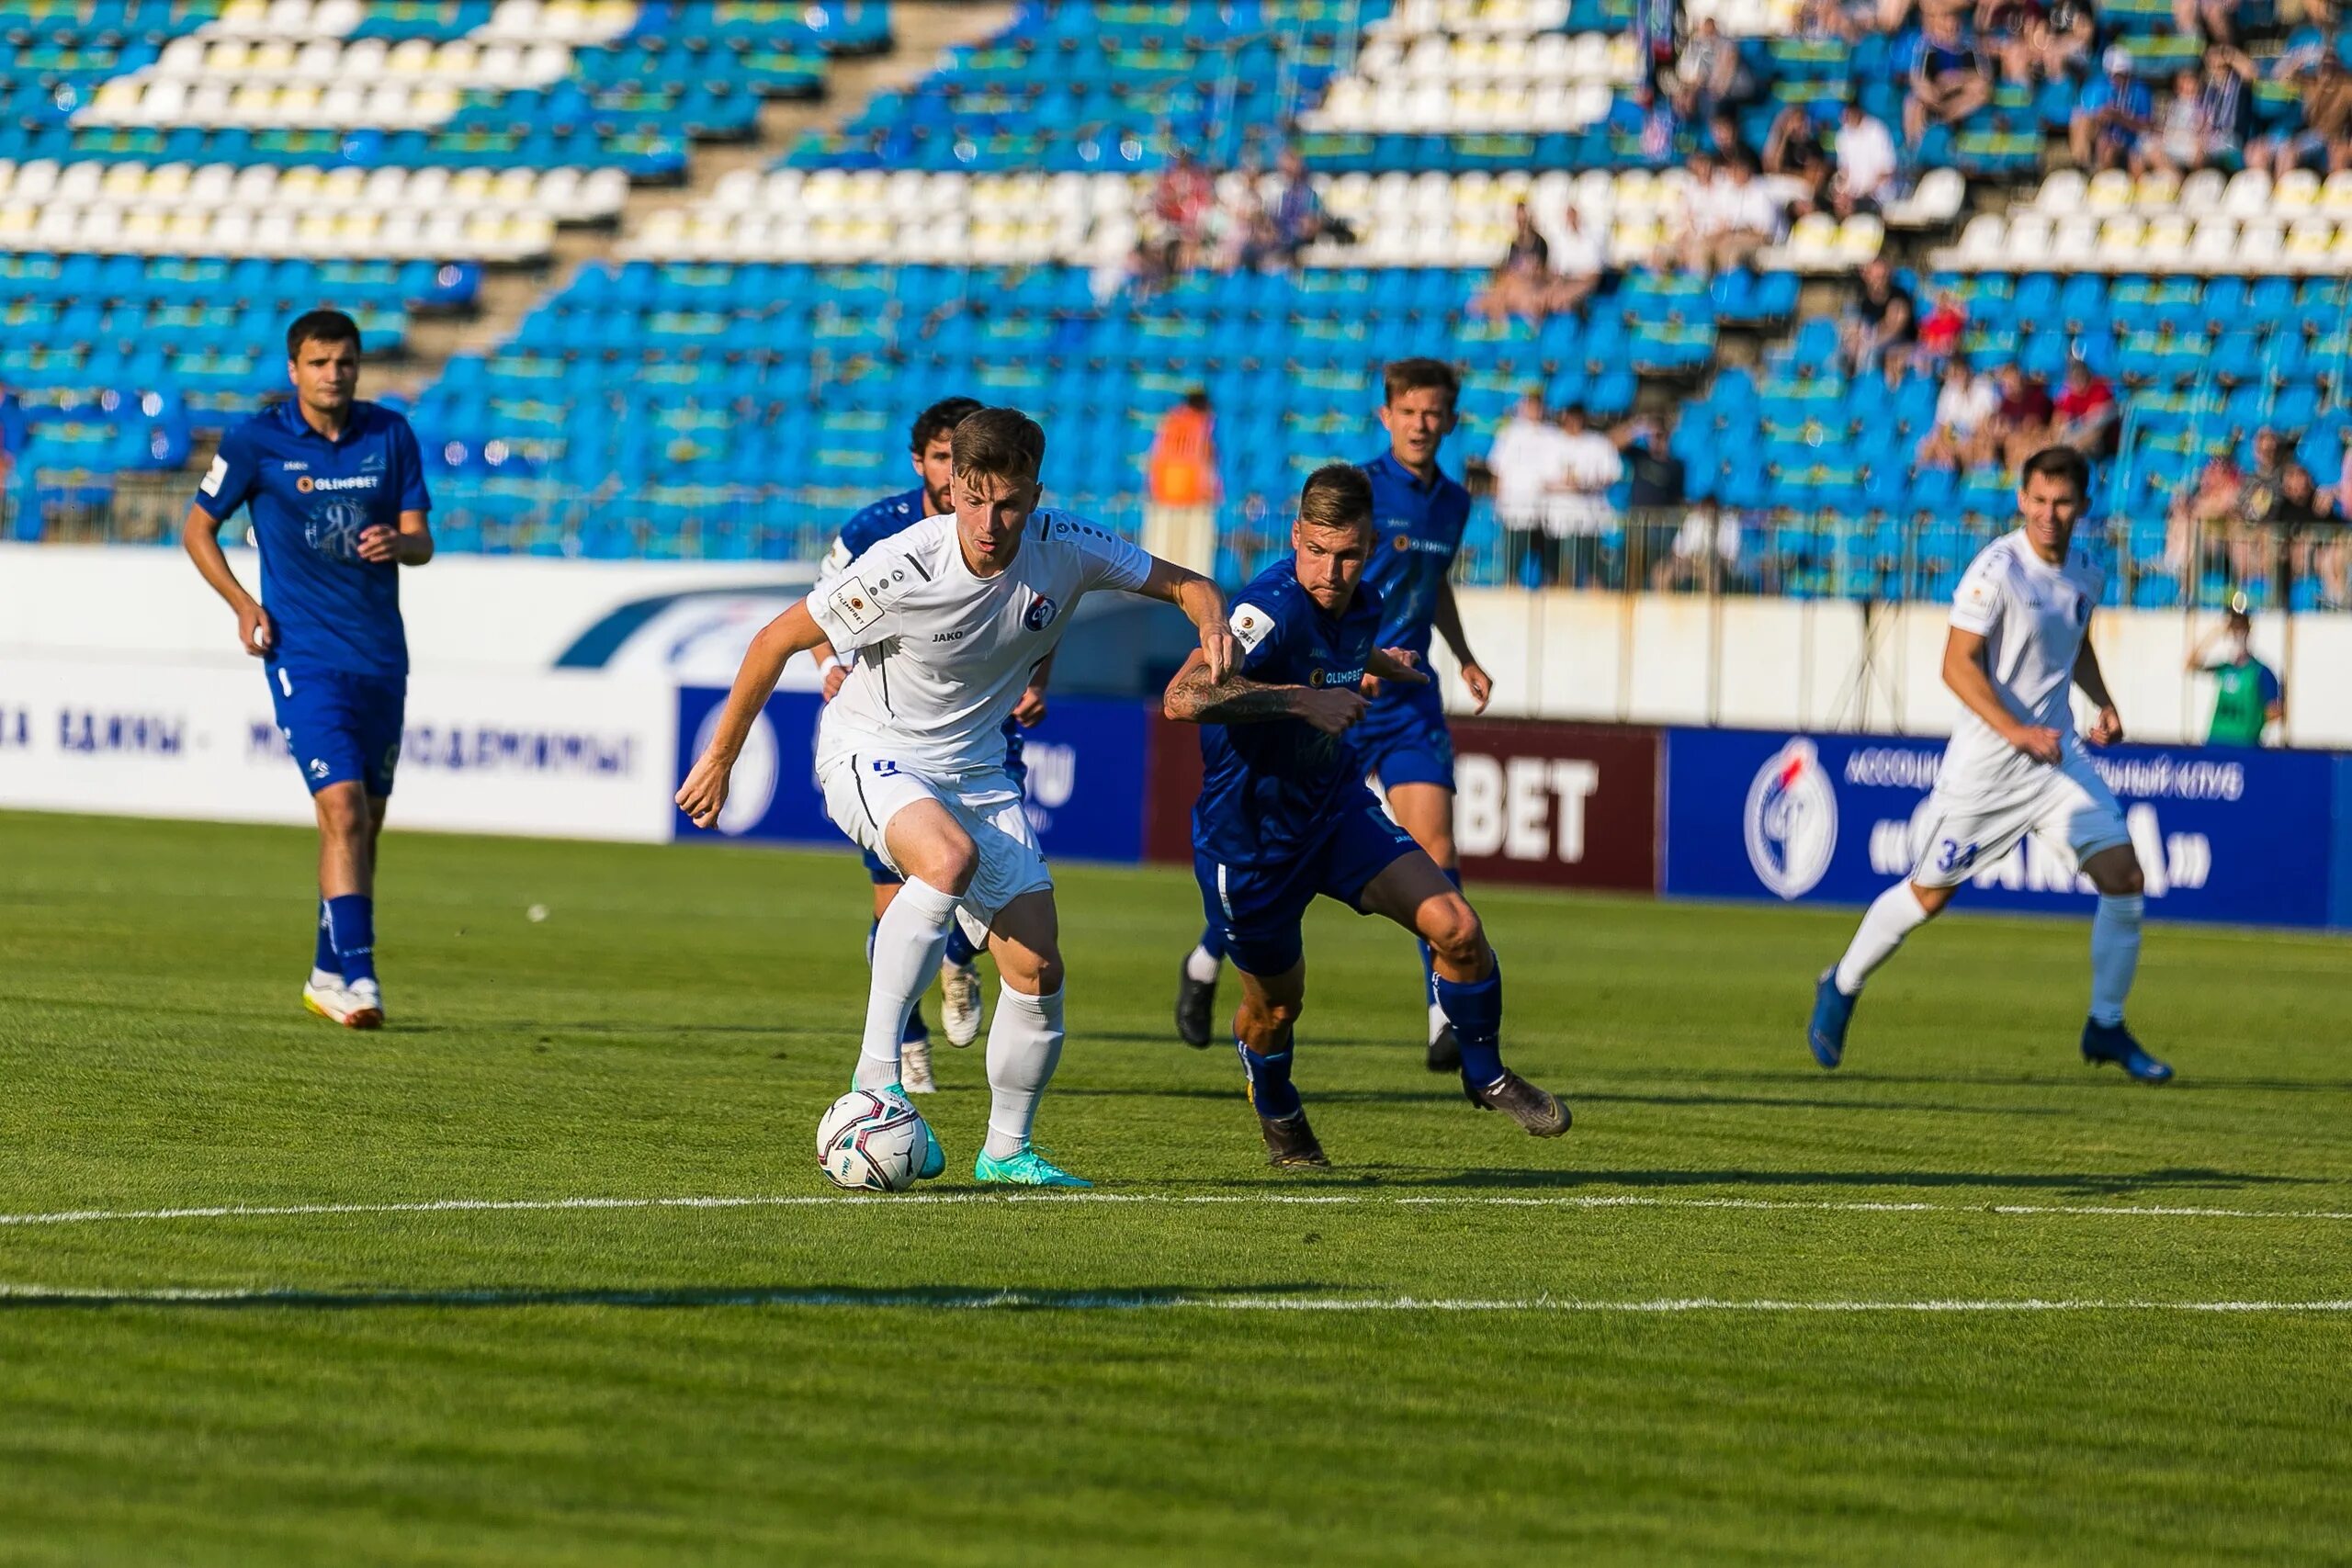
(1724, 138)
(2021, 423)
(2249, 701)
(2196, 524)
(1940, 332)
(1963, 406)
(1297, 212)
(1237, 236)
(1705, 553)
(2003, 36)
(1948, 80)
(2316, 139)
(2177, 145)
(1710, 75)
(1181, 202)
(2215, 19)
(1528, 456)
(2256, 520)
(1522, 286)
(1643, 127)
(1751, 216)
(1866, 162)
(1578, 260)
(1180, 476)
(1702, 216)
(1653, 492)
(2088, 414)
(2111, 116)
(2059, 42)
(2329, 554)
(2224, 100)
(1883, 319)
(1793, 131)
(1580, 515)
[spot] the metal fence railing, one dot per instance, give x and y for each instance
(1686, 549)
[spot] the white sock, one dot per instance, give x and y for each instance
(1438, 1022)
(907, 945)
(1024, 1043)
(1201, 965)
(2115, 953)
(1894, 915)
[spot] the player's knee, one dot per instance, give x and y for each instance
(1453, 931)
(2121, 878)
(951, 865)
(343, 812)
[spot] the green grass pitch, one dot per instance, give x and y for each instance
(1426, 1357)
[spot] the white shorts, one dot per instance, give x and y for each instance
(2068, 807)
(863, 792)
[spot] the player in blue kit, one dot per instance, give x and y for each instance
(1419, 514)
(337, 488)
(930, 450)
(1285, 815)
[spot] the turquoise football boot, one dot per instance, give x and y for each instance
(1027, 1169)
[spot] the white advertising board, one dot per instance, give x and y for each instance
(559, 754)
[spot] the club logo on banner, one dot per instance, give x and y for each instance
(1792, 819)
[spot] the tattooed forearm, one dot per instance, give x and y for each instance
(1193, 699)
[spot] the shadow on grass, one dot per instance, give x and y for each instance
(1014, 1298)
(2110, 1184)
(1442, 1093)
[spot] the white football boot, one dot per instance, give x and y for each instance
(914, 1066)
(959, 1002)
(359, 1004)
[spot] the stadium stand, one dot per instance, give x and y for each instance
(1026, 222)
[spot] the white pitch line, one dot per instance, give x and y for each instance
(1363, 1200)
(288, 1296)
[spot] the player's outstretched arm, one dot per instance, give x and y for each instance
(1202, 605)
(2107, 725)
(200, 536)
(1195, 696)
(705, 791)
(1446, 618)
(1964, 672)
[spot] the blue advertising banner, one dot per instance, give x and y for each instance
(1085, 775)
(2223, 834)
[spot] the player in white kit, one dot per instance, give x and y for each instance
(2018, 638)
(949, 618)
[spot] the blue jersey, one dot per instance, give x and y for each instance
(311, 499)
(1417, 531)
(1274, 790)
(891, 515)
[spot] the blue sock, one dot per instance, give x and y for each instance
(1475, 1010)
(351, 918)
(1269, 1086)
(960, 951)
(916, 1030)
(324, 958)
(1429, 959)
(1213, 942)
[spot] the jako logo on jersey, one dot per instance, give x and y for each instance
(1791, 821)
(1041, 613)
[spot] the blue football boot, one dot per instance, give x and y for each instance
(2113, 1042)
(1832, 1010)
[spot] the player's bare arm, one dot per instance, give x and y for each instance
(1447, 619)
(200, 536)
(1395, 664)
(2107, 726)
(1202, 606)
(1195, 696)
(1965, 673)
(1030, 711)
(410, 544)
(705, 791)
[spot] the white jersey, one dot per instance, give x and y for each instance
(2032, 616)
(945, 656)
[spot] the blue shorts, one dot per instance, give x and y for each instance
(341, 726)
(1016, 768)
(1403, 739)
(1259, 906)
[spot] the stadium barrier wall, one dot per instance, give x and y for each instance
(2225, 835)
(544, 753)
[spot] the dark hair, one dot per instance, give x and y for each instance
(2059, 463)
(1402, 376)
(1337, 495)
(940, 419)
(1197, 399)
(1000, 444)
(321, 326)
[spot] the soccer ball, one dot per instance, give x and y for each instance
(871, 1141)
